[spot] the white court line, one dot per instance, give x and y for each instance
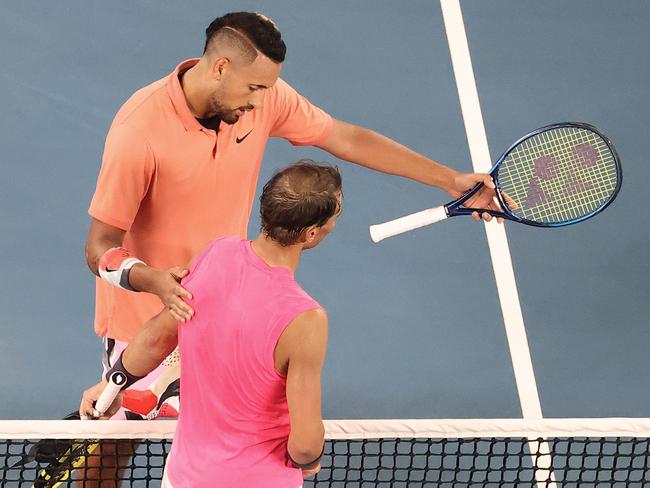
(497, 240)
(499, 250)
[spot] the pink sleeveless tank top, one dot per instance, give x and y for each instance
(234, 421)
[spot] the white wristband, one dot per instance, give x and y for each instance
(115, 265)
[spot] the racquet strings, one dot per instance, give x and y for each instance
(559, 175)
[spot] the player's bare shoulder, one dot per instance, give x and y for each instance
(307, 327)
(310, 322)
(304, 339)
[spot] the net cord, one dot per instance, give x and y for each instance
(348, 429)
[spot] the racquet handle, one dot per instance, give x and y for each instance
(106, 399)
(407, 223)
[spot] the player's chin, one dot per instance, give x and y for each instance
(230, 118)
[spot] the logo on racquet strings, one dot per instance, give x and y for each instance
(543, 186)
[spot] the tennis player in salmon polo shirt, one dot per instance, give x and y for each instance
(252, 354)
(180, 167)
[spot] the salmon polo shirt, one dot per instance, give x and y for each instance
(174, 185)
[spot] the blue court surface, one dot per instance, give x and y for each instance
(416, 328)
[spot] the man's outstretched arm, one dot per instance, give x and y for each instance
(380, 153)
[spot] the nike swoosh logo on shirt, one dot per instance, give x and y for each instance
(238, 139)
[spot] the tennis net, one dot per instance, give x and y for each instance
(584, 453)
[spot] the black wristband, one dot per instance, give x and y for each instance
(309, 465)
(120, 376)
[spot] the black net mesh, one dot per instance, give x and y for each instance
(481, 462)
(51, 463)
(486, 462)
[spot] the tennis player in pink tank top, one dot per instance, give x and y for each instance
(252, 354)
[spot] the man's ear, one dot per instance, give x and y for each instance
(219, 66)
(309, 234)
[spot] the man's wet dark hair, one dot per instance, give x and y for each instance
(297, 197)
(248, 31)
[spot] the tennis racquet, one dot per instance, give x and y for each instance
(61, 456)
(558, 175)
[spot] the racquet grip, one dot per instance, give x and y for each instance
(407, 223)
(106, 399)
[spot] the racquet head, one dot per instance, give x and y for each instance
(558, 175)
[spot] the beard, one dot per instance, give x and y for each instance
(226, 114)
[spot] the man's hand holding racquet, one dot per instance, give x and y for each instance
(484, 198)
(91, 395)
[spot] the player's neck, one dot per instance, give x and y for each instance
(275, 255)
(195, 97)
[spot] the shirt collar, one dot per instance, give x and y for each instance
(178, 99)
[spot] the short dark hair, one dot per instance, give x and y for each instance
(256, 28)
(297, 197)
